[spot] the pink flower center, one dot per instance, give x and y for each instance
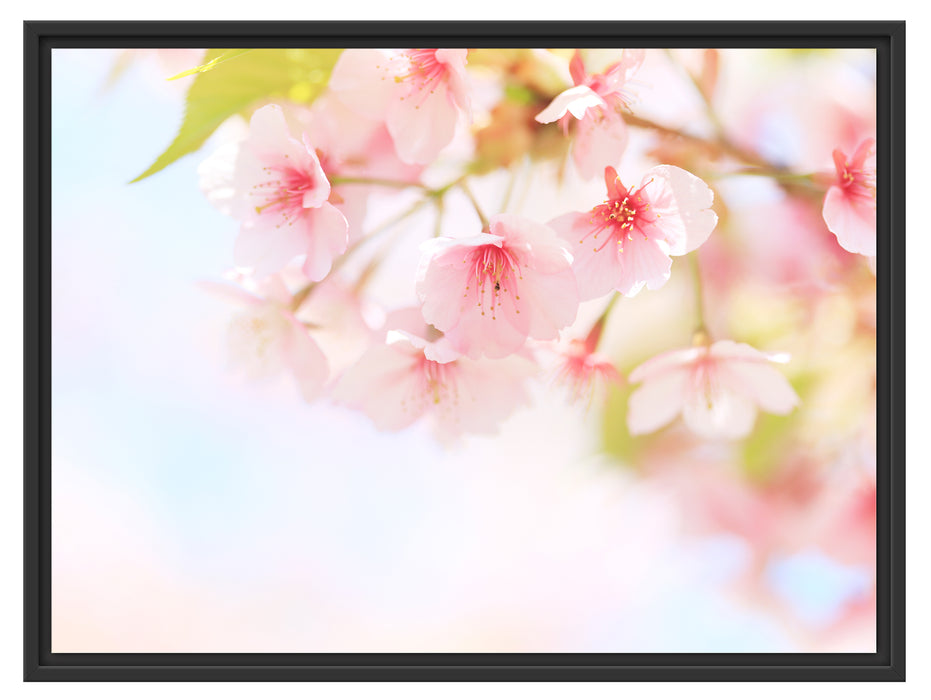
(283, 193)
(424, 73)
(495, 273)
(620, 218)
(617, 99)
(858, 182)
(581, 369)
(437, 380)
(705, 382)
(425, 70)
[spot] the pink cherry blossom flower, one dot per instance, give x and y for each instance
(415, 373)
(584, 371)
(338, 319)
(488, 293)
(850, 204)
(350, 145)
(279, 191)
(597, 102)
(626, 242)
(717, 389)
(420, 93)
(265, 338)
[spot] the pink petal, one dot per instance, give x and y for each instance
(422, 126)
(729, 350)
(762, 383)
(216, 177)
(393, 337)
(257, 168)
(320, 190)
(613, 183)
(623, 70)
(596, 273)
(575, 100)
(487, 393)
(409, 319)
(726, 415)
(547, 287)
(268, 248)
(549, 250)
(409, 324)
(384, 385)
(454, 59)
(852, 219)
(268, 130)
(328, 235)
(256, 337)
(441, 351)
(552, 301)
(456, 77)
(339, 131)
(483, 317)
(305, 360)
(273, 289)
(335, 313)
(657, 402)
(642, 262)
(865, 151)
(669, 361)
(363, 80)
(681, 201)
(353, 207)
(494, 336)
(577, 68)
(270, 139)
(840, 161)
(248, 172)
(442, 279)
(599, 142)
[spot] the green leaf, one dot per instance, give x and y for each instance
(773, 437)
(238, 86)
(616, 440)
(225, 56)
(765, 449)
(521, 94)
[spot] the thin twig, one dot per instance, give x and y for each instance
(379, 182)
(478, 210)
(699, 295)
(301, 295)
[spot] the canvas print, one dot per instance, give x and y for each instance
(463, 350)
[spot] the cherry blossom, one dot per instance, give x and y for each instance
(597, 102)
(355, 147)
(717, 388)
(582, 369)
(265, 338)
(626, 242)
(489, 292)
(421, 94)
(279, 191)
(850, 204)
(415, 373)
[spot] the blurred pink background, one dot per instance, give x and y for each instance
(194, 511)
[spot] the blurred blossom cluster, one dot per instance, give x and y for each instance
(681, 242)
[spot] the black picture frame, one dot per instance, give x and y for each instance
(887, 663)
